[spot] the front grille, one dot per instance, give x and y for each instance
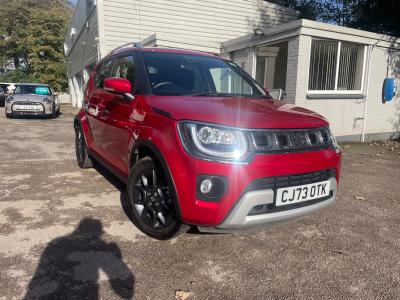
(27, 103)
(289, 140)
(277, 182)
(291, 180)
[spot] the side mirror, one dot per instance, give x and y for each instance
(120, 86)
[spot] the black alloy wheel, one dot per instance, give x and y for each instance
(151, 200)
(82, 155)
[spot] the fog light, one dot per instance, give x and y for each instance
(206, 186)
(211, 187)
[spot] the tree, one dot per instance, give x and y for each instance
(309, 9)
(339, 12)
(381, 16)
(31, 37)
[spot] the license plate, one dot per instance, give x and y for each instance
(27, 107)
(301, 193)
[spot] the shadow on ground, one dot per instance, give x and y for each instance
(69, 267)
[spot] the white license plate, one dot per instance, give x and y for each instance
(27, 107)
(301, 193)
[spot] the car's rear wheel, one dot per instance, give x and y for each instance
(82, 155)
(151, 201)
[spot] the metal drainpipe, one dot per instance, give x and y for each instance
(371, 50)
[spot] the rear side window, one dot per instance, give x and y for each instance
(104, 71)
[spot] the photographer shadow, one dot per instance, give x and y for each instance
(69, 266)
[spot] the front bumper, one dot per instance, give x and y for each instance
(240, 218)
(44, 109)
(240, 180)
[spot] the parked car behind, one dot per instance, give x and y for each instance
(3, 96)
(32, 99)
(3, 93)
(199, 142)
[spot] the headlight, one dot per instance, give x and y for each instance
(227, 144)
(334, 142)
(47, 100)
(10, 99)
(214, 142)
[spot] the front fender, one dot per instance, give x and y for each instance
(82, 121)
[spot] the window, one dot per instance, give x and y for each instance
(174, 74)
(124, 67)
(336, 66)
(228, 81)
(103, 72)
(32, 89)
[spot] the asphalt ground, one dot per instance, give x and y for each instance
(65, 235)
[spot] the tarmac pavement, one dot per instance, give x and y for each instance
(64, 233)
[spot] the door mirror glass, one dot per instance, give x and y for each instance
(118, 85)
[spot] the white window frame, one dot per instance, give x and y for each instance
(336, 91)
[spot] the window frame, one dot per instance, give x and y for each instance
(98, 70)
(337, 67)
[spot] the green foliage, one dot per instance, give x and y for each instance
(17, 76)
(309, 9)
(31, 38)
(381, 16)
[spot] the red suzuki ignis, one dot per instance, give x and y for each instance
(198, 142)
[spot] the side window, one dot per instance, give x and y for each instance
(104, 71)
(226, 80)
(124, 67)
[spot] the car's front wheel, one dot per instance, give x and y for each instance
(151, 201)
(82, 155)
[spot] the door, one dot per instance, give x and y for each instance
(116, 113)
(94, 107)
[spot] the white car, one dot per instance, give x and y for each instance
(32, 99)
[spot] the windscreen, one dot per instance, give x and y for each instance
(196, 75)
(32, 89)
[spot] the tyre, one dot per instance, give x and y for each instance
(53, 112)
(82, 155)
(150, 198)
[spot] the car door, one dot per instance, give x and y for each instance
(97, 118)
(117, 111)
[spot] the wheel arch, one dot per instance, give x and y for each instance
(146, 148)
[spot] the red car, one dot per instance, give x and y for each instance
(198, 142)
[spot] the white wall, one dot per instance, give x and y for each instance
(345, 115)
(203, 24)
(84, 51)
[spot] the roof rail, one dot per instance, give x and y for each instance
(134, 45)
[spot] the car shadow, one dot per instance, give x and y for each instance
(34, 117)
(69, 266)
(118, 184)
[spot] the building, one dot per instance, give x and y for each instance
(335, 71)
(99, 26)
